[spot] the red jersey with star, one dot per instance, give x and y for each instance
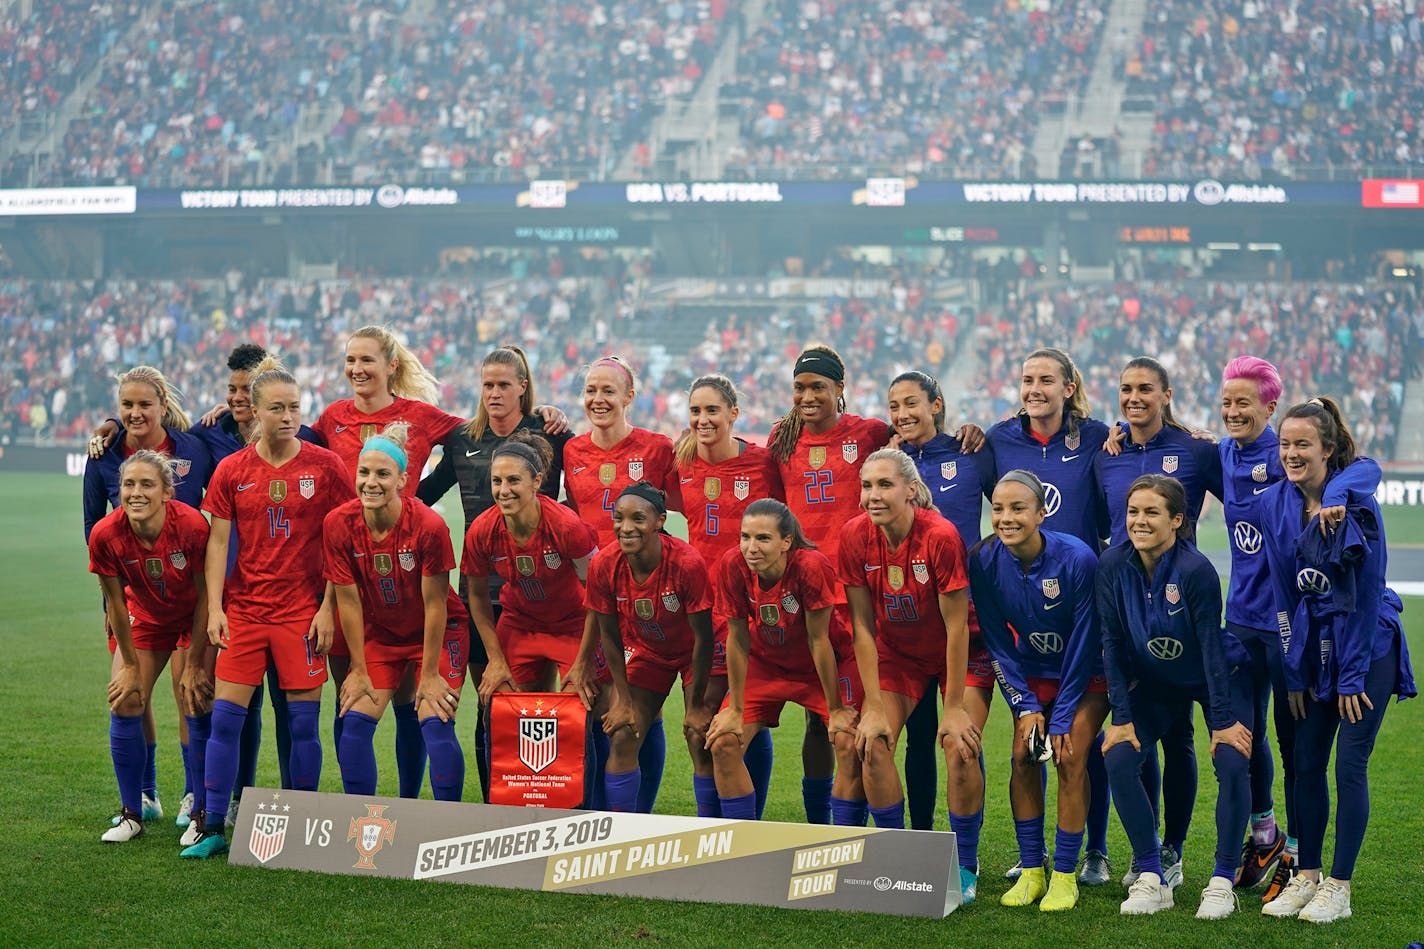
(345, 429)
(542, 592)
(387, 574)
(714, 497)
(594, 478)
(905, 584)
(278, 511)
(822, 479)
(161, 590)
(652, 613)
(776, 614)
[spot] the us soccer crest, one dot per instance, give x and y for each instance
(1174, 595)
(770, 614)
(277, 491)
(1169, 464)
(371, 833)
(948, 469)
(635, 469)
(406, 559)
(921, 572)
(816, 456)
(789, 604)
(1050, 588)
(181, 467)
(643, 606)
(306, 486)
(178, 559)
(367, 431)
(607, 472)
(896, 576)
(671, 603)
(1258, 473)
(1072, 442)
(552, 559)
(850, 451)
(269, 834)
(154, 566)
(538, 738)
(525, 565)
(741, 487)
(712, 488)
(383, 564)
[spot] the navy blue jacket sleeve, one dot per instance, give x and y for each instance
(1084, 644)
(993, 627)
(96, 492)
(1352, 484)
(984, 463)
(1355, 634)
(1203, 594)
(1117, 643)
(1209, 461)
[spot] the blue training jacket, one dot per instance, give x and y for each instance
(1039, 621)
(1165, 632)
(193, 466)
(1247, 473)
(224, 439)
(1333, 611)
(1064, 465)
(958, 482)
(1171, 452)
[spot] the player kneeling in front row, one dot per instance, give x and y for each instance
(385, 555)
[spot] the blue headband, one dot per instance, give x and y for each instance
(383, 444)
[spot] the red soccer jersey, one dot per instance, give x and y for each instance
(822, 479)
(905, 584)
(653, 613)
(388, 573)
(277, 577)
(542, 592)
(161, 591)
(346, 429)
(714, 497)
(776, 615)
(594, 478)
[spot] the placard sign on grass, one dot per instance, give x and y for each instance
(798, 866)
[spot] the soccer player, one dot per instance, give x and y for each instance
(1159, 602)
(1054, 436)
(1034, 595)
(506, 406)
(652, 601)
(151, 411)
(819, 448)
(1251, 463)
(1152, 441)
(959, 481)
(276, 606)
(720, 475)
(598, 465)
(903, 566)
(786, 642)
(148, 556)
(385, 554)
(388, 384)
(1344, 648)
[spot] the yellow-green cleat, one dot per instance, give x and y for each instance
(1029, 888)
(1062, 893)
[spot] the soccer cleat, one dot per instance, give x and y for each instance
(1146, 896)
(152, 808)
(1027, 890)
(968, 886)
(1096, 870)
(194, 831)
(1171, 868)
(185, 810)
(1257, 862)
(1218, 900)
(230, 820)
(1285, 872)
(1295, 897)
(1062, 894)
(1130, 877)
(1331, 902)
(129, 827)
(208, 845)
(1012, 873)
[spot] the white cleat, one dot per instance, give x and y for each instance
(129, 827)
(1147, 896)
(1294, 898)
(1331, 902)
(185, 811)
(1218, 900)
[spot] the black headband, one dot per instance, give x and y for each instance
(649, 493)
(523, 452)
(821, 363)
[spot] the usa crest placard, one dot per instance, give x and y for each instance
(537, 749)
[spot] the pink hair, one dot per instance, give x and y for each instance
(1257, 370)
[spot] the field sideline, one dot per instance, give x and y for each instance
(67, 888)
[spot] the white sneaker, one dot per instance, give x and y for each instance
(1294, 898)
(1146, 896)
(128, 828)
(1218, 900)
(1331, 902)
(152, 808)
(191, 834)
(1130, 877)
(1171, 868)
(185, 811)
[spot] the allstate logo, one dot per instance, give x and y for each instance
(1311, 580)
(882, 884)
(1051, 499)
(1247, 538)
(390, 196)
(1165, 648)
(1046, 642)
(1209, 192)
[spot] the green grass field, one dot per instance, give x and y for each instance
(66, 888)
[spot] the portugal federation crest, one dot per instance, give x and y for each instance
(371, 833)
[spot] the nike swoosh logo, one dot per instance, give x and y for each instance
(945, 487)
(621, 599)
(1259, 490)
(1176, 611)
(1070, 457)
(471, 454)
(871, 567)
(244, 487)
(357, 553)
(130, 562)
(341, 428)
(497, 559)
(685, 481)
(1052, 606)
(579, 468)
